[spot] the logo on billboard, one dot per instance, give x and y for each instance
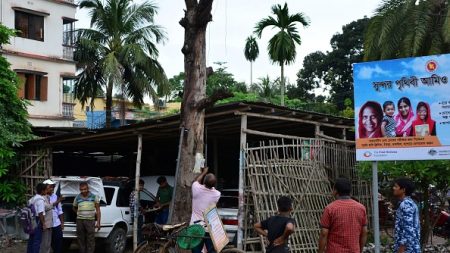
(367, 154)
(431, 66)
(432, 152)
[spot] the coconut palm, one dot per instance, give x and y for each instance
(119, 51)
(404, 28)
(266, 88)
(251, 52)
(282, 45)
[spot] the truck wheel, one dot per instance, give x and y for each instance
(116, 241)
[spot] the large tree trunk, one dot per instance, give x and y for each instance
(282, 83)
(109, 90)
(195, 21)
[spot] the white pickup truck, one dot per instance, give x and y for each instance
(116, 224)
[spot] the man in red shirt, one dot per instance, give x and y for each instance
(343, 222)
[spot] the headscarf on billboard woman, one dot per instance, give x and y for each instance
(369, 121)
(404, 118)
(424, 124)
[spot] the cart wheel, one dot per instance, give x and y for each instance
(232, 250)
(150, 247)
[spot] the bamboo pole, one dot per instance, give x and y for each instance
(136, 195)
(243, 142)
(258, 115)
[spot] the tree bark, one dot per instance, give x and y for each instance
(282, 83)
(109, 91)
(197, 16)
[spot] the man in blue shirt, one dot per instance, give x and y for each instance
(407, 224)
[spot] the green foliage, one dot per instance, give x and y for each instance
(239, 97)
(12, 192)
(267, 89)
(119, 51)
(220, 79)
(177, 86)
(251, 50)
(333, 69)
(348, 111)
(423, 173)
(405, 28)
(14, 127)
(282, 46)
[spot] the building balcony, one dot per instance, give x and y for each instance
(68, 52)
(67, 110)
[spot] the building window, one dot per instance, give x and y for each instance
(68, 32)
(33, 86)
(68, 90)
(30, 26)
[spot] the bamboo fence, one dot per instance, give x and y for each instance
(304, 170)
(34, 167)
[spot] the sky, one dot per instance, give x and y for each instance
(234, 20)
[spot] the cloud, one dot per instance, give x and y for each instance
(418, 65)
(366, 73)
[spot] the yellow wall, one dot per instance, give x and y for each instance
(100, 103)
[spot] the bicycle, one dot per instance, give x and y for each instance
(167, 238)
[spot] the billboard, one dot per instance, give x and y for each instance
(402, 109)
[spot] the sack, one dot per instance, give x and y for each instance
(28, 219)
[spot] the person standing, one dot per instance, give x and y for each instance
(204, 195)
(163, 199)
(407, 224)
(34, 241)
(133, 205)
(87, 207)
(58, 218)
(343, 223)
(47, 221)
(279, 227)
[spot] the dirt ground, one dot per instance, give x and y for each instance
(21, 246)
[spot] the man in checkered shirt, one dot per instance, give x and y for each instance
(343, 222)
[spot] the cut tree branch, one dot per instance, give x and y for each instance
(210, 101)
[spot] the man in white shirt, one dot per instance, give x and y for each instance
(34, 241)
(204, 195)
(58, 218)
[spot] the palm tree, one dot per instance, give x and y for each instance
(251, 52)
(119, 51)
(281, 46)
(404, 28)
(266, 88)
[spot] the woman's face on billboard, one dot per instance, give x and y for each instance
(370, 119)
(404, 109)
(422, 112)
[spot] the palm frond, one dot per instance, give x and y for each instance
(251, 50)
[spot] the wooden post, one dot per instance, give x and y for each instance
(136, 188)
(177, 171)
(215, 157)
(317, 131)
(241, 213)
(344, 133)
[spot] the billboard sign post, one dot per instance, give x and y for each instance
(402, 112)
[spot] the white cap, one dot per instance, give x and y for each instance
(48, 181)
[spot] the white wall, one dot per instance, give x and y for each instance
(53, 26)
(42, 113)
